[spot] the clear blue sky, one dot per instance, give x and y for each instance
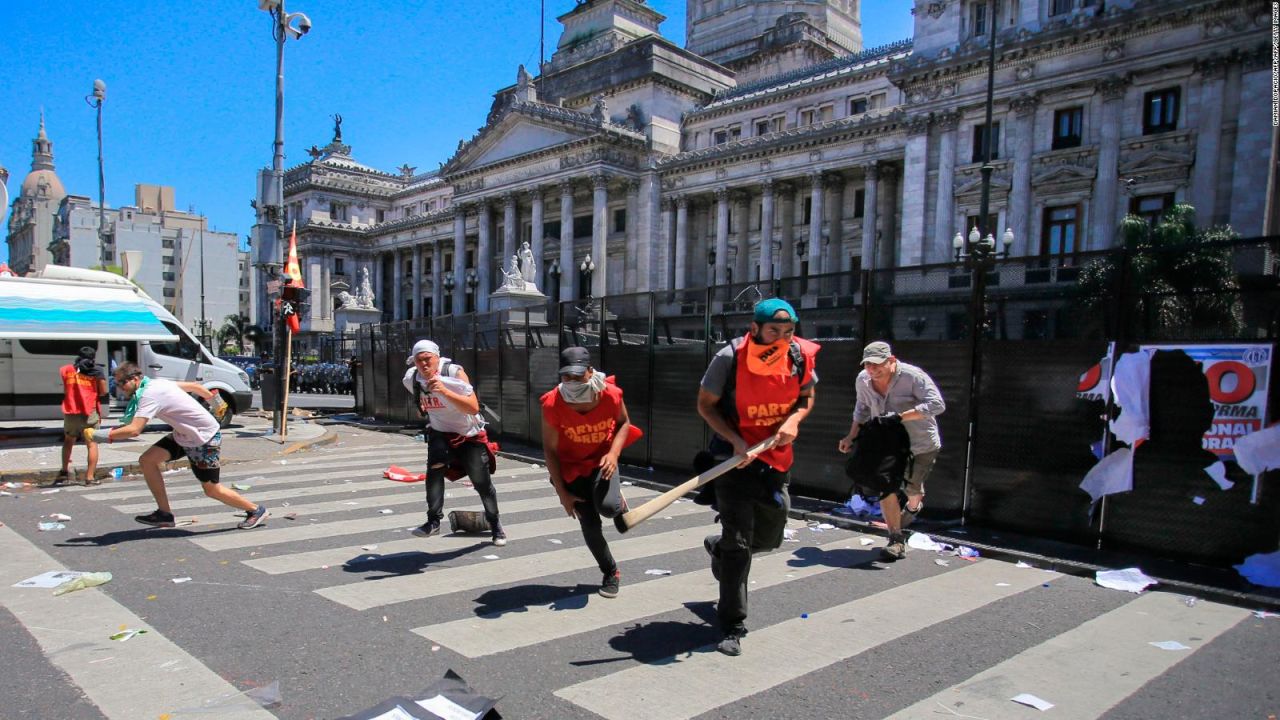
(190, 85)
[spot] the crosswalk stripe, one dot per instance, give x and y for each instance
(1090, 669)
(692, 684)
(276, 535)
(287, 493)
(361, 503)
(72, 632)
(443, 581)
(499, 632)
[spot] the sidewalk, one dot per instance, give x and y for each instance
(31, 450)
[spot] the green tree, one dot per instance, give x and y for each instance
(1179, 281)
(233, 329)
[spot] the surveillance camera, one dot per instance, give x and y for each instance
(303, 25)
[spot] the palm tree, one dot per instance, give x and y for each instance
(233, 328)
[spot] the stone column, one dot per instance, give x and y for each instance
(668, 240)
(397, 284)
(742, 260)
(682, 242)
(1024, 110)
(915, 178)
(650, 252)
(1249, 212)
(509, 223)
(600, 234)
(379, 294)
(834, 204)
(944, 217)
(437, 280)
(1204, 178)
(484, 248)
(816, 216)
(568, 269)
(870, 205)
(459, 259)
(417, 282)
(886, 238)
(1111, 92)
(787, 231)
(326, 286)
(720, 276)
(536, 236)
(766, 230)
(631, 253)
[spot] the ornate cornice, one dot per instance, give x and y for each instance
(1112, 87)
(919, 124)
(948, 120)
(1025, 105)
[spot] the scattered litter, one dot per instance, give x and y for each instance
(804, 616)
(152, 597)
(1263, 614)
(1002, 584)
(555, 541)
(536, 466)
(826, 526)
(50, 491)
(667, 517)
(116, 474)
(435, 648)
(790, 535)
(1261, 569)
(857, 506)
(180, 580)
(1170, 645)
(921, 541)
(627, 482)
(7, 493)
(241, 486)
(291, 516)
(1190, 601)
(100, 660)
(399, 474)
(49, 580)
(940, 561)
(657, 572)
(1218, 472)
(126, 635)
(368, 547)
(385, 511)
(1130, 580)
(47, 526)
(59, 516)
(1197, 500)
(350, 503)
(490, 557)
(384, 618)
(1032, 700)
(1022, 564)
(13, 485)
(965, 552)
(865, 541)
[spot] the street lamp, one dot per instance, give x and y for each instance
(95, 100)
(284, 25)
(449, 283)
(587, 267)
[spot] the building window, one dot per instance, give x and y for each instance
(337, 212)
(168, 292)
(1151, 207)
(808, 210)
(980, 142)
(551, 229)
(166, 260)
(620, 220)
(1060, 7)
(1058, 240)
(993, 220)
(471, 258)
(168, 276)
(382, 216)
(582, 226)
(812, 116)
(859, 203)
(1067, 126)
(166, 243)
(1160, 110)
(338, 266)
(857, 106)
(978, 18)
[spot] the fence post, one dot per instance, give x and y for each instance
(867, 277)
(651, 337)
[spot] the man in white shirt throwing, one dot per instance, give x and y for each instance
(195, 435)
(457, 443)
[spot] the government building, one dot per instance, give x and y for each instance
(773, 144)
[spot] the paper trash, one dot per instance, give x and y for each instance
(1218, 472)
(1169, 645)
(1130, 580)
(920, 541)
(59, 516)
(48, 526)
(85, 580)
(49, 580)
(657, 572)
(1032, 700)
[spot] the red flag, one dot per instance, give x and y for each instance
(291, 267)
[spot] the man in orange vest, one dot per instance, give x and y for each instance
(757, 386)
(83, 383)
(585, 427)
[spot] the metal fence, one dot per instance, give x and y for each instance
(1017, 463)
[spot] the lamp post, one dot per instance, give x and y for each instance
(472, 281)
(449, 283)
(588, 267)
(284, 25)
(95, 100)
(554, 274)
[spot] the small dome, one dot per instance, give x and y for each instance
(45, 181)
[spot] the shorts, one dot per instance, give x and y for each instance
(74, 425)
(205, 459)
(919, 469)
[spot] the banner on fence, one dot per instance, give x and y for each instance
(1238, 376)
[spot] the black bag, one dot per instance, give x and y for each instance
(881, 453)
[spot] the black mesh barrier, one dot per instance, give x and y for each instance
(628, 355)
(513, 400)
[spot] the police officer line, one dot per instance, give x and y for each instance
(1090, 668)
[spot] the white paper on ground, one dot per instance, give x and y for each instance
(865, 541)
(59, 516)
(1261, 569)
(49, 580)
(920, 541)
(1170, 645)
(1218, 472)
(790, 535)
(1197, 500)
(655, 571)
(1259, 451)
(180, 580)
(556, 541)
(1032, 700)
(1022, 565)
(1129, 580)
(490, 557)
(396, 713)
(1112, 474)
(448, 709)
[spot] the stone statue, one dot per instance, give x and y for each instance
(364, 296)
(347, 300)
(512, 278)
(601, 111)
(337, 128)
(527, 270)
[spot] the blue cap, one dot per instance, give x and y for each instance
(766, 310)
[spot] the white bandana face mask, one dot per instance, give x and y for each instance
(579, 392)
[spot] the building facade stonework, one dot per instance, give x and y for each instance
(804, 153)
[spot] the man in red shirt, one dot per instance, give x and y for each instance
(83, 382)
(585, 426)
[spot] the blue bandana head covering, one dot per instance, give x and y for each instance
(765, 311)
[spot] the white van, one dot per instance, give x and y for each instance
(45, 320)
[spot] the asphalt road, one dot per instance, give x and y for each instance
(312, 401)
(344, 608)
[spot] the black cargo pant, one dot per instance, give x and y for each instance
(589, 492)
(753, 504)
(473, 457)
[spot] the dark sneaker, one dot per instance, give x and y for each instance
(427, 529)
(609, 586)
(159, 518)
(255, 518)
(709, 544)
(895, 550)
(499, 535)
(731, 645)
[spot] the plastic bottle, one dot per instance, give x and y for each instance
(218, 406)
(86, 580)
(116, 474)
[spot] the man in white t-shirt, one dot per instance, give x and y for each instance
(456, 439)
(195, 435)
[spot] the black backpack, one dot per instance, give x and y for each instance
(881, 453)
